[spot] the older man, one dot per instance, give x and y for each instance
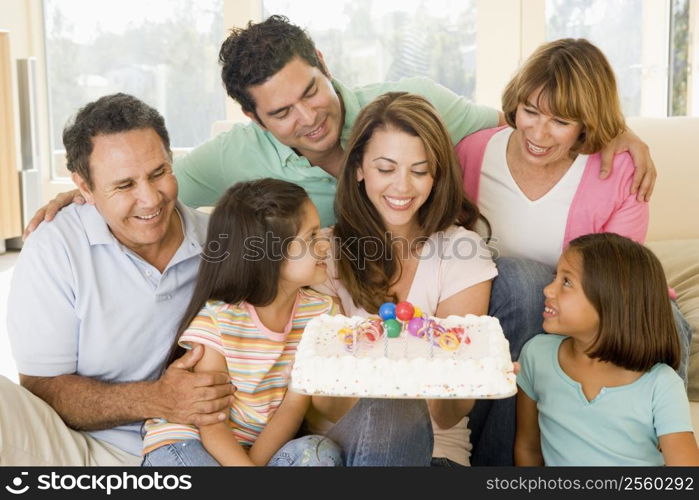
(96, 298)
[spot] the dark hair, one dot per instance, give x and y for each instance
(625, 283)
(252, 55)
(247, 240)
(110, 114)
(368, 281)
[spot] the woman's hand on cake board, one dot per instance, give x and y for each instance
(447, 412)
(473, 300)
(332, 408)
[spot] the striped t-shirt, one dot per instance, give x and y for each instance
(259, 363)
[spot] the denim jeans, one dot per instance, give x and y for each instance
(307, 451)
(517, 300)
(445, 463)
(385, 432)
(685, 332)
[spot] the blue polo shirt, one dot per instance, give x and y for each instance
(82, 303)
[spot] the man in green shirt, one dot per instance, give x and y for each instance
(301, 117)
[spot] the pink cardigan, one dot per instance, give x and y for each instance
(598, 205)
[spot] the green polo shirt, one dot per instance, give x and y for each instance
(248, 152)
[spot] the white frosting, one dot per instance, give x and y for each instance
(406, 366)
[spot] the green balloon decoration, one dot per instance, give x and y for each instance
(392, 328)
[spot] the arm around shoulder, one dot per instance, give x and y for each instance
(461, 116)
(206, 171)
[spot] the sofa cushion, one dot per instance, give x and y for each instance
(674, 146)
(680, 260)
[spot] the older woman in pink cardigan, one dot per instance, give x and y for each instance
(537, 182)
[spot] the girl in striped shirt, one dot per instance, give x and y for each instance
(248, 311)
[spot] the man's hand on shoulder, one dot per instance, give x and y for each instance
(644, 178)
(49, 211)
(193, 398)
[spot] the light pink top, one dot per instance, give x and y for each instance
(598, 205)
(450, 261)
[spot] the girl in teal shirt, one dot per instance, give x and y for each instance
(602, 390)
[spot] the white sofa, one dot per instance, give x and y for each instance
(673, 233)
(674, 218)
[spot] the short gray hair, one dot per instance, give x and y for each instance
(110, 114)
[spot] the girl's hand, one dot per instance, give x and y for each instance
(281, 428)
(644, 178)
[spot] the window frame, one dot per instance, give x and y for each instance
(56, 183)
(507, 31)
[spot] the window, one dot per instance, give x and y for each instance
(679, 58)
(369, 41)
(615, 26)
(164, 52)
(646, 42)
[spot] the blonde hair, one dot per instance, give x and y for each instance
(577, 83)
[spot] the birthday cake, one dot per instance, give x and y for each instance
(405, 356)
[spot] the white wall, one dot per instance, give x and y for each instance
(23, 19)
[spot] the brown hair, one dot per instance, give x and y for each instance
(368, 280)
(110, 114)
(252, 55)
(247, 242)
(577, 83)
(625, 283)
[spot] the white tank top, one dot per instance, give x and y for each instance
(522, 227)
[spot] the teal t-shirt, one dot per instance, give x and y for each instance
(248, 152)
(620, 426)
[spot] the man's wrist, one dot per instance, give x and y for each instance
(151, 399)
